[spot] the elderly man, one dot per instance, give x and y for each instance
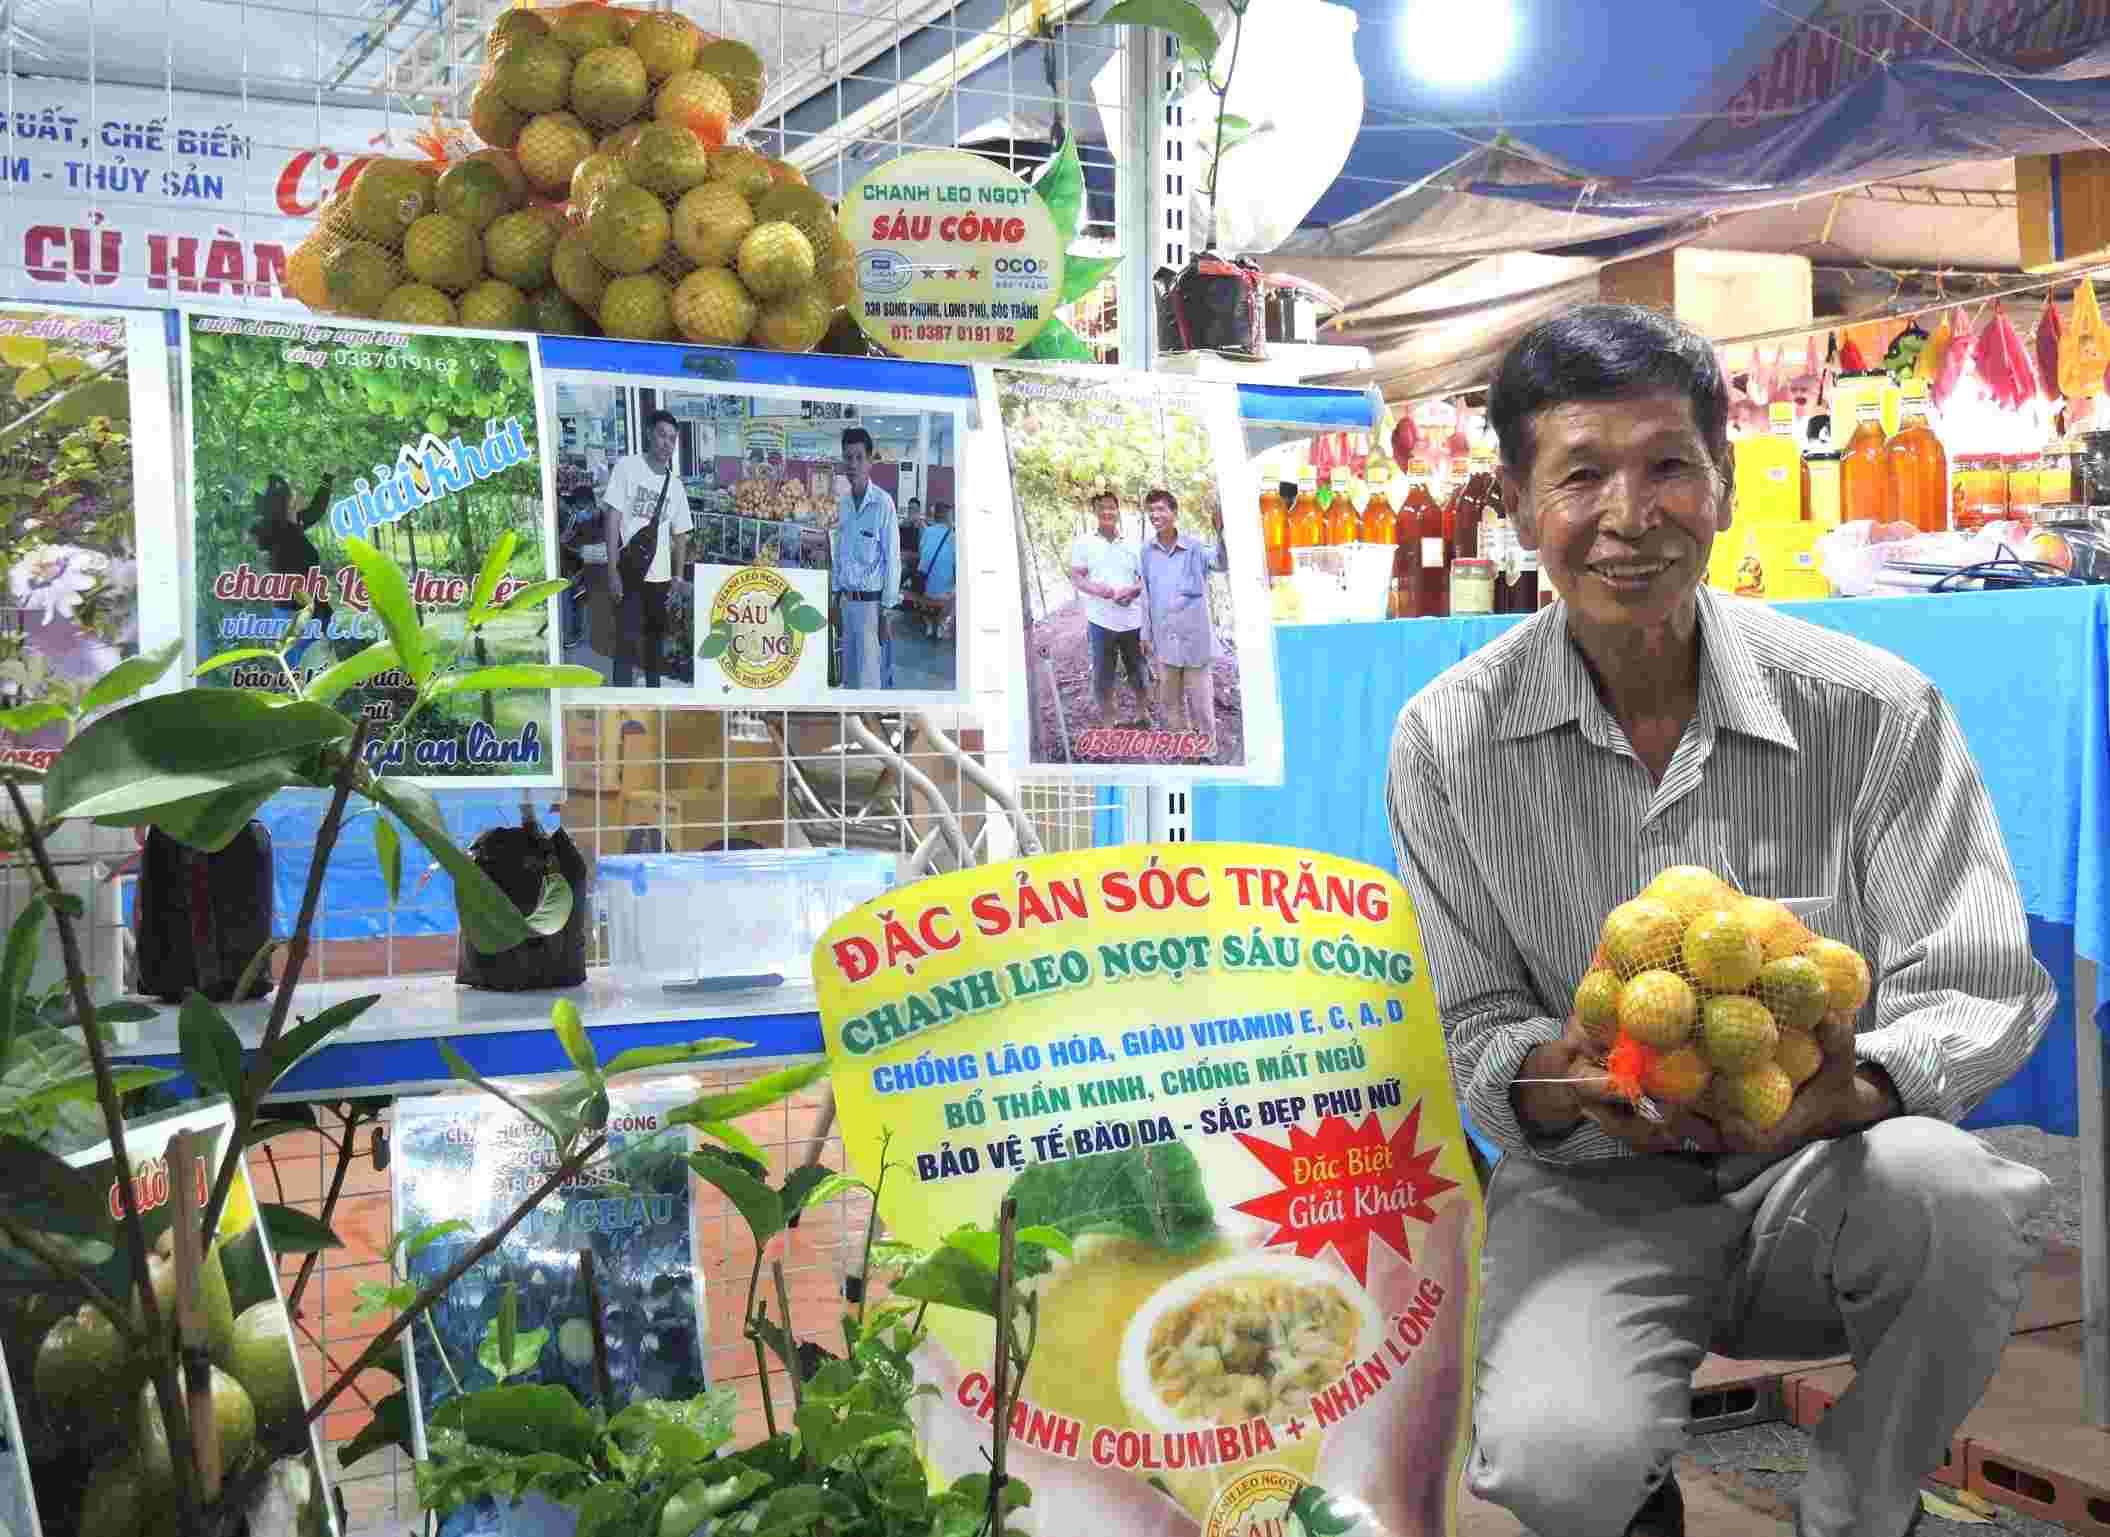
(1177, 636)
(1642, 722)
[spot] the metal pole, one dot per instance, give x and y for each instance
(2092, 1081)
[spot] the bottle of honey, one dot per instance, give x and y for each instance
(1379, 525)
(1864, 469)
(1307, 525)
(1342, 523)
(1429, 556)
(1919, 466)
(1461, 522)
(1274, 526)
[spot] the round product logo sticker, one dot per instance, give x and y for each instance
(1255, 1504)
(752, 612)
(957, 258)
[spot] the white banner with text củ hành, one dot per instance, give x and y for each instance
(114, 194)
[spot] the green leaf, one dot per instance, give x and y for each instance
(683, 1430)
(806, 619)
(506, 1329)
(532, 595)
(358, 668)
(1046, 1237)
(554, 910)
(1153, 1194)
(526, 1350)
(522, 1419)
(496, 565)
(760, 1093)
(831, 1187)
(211, 822)
(389, 593)
(797, 1190)
(388, 850)
(293, 1231)
(40, 1190)
(490, 921)
(562, 1132)
(736, 1139)
(1181, 18)
(571, 1030)
(175, 747)
(762, 1208)
(129, 677)
(1057, 343)
(390, 1426)
(1082, 274)
(827, 1437)
(230, 658)
(304, 1037)
(713, 647)
(796, 1510)
(19, 962)
(639, 1058)
(376, 1298)
(1233, 123)
(24, 719)
(542, 675)
(125, 1014)
(212, 1052)
(951, 1278)
(607, 1508)
(1061, 186)
(416, 1240)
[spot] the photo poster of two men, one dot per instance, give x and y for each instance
(428, 447)
(86, 487)
(1148, 649)
(753, 545)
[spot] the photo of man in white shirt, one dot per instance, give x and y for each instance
(1108, 571)
(644, 488)
(867, 576)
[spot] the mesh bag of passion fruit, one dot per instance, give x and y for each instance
(1704, 998)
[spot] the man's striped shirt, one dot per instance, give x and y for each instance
(1815, 767)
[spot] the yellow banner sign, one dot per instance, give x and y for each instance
(1219, 1069)
(956, 257)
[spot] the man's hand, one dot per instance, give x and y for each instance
(1147, 649)
(884, 627)
(615, 583)
(1584, 1091)
(1216, 521)
(1842, 1099)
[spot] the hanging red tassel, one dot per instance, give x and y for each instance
(1627, 1066)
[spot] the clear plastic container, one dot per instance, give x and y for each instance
(721, 922)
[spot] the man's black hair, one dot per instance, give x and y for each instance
(1600, 352)
(857, 435)
(654, 418)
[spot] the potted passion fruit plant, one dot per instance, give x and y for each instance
(840, 1460)
(198, 764)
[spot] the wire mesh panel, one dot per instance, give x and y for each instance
(157, 151)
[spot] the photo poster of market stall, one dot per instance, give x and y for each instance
(807, 551)
(428, 446)
(81, 1404)
(1144, 626)
(461, 1163)
(809, 543)
(87, 483)
(1212, 1078)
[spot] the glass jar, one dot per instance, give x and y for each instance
(1472, 585)
(1979, 494)
(2055, 474)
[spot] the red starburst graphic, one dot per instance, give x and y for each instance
(1342, 1184)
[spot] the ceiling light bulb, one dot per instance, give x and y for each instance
(1451, 46)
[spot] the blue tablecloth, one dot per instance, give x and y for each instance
(2028, 674)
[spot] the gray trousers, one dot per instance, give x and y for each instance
(1604, 1284)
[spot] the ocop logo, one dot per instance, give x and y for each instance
(763, 647)
(1023, 274)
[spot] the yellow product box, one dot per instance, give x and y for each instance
(1776, 561)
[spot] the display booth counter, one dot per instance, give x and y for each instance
(393, 1048)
